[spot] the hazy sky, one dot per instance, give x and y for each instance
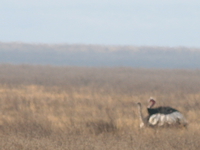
(108, 22)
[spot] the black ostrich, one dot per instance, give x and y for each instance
(161, 116)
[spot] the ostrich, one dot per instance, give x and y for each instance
(161, 116)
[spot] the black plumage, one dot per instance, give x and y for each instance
(161, 110)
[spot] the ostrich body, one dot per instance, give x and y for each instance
(161, 116)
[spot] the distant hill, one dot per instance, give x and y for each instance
(97, 55)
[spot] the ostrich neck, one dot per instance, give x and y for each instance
(141, 117)
(151, 104)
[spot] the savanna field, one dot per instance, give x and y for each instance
(88, 108)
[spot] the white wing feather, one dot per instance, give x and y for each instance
(168, 119)
(162, 120)
(154, 119)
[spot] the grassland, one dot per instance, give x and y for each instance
(77, 108)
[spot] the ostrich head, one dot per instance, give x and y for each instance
(151, 102)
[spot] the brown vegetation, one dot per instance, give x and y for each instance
(76, 108)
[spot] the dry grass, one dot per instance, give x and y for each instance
(72, 108)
